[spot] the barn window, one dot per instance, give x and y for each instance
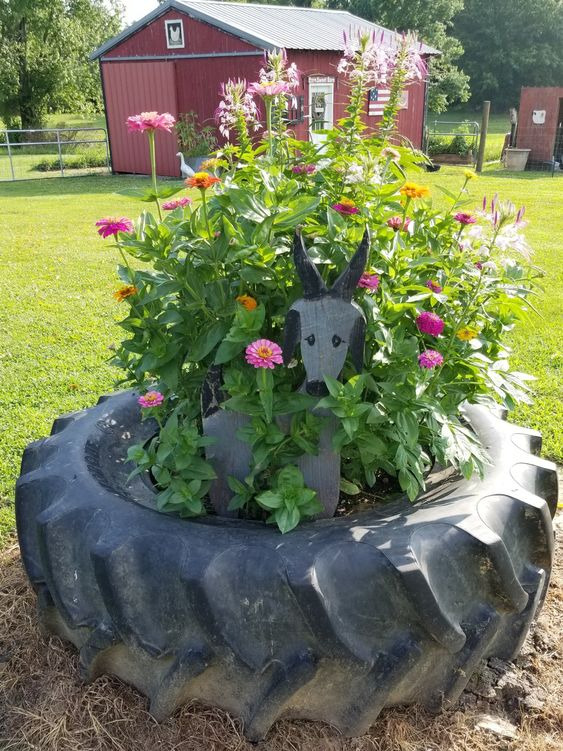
(294, 111)
(174, 33)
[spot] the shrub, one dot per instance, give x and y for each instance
(194, 139)
(218, 293)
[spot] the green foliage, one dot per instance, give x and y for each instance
(432, 20)
(509, 44)
(202, 263)
(76, 161)
(194, 139)
(44, 47)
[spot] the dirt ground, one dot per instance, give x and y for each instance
(44, 707)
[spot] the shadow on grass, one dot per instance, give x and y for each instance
(530, 175)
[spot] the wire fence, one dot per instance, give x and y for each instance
(53, 152)
(452, 141)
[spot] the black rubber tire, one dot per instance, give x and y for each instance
(331, 622)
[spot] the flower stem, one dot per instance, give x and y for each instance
(152, 153)
(205, 215)
(268, 104)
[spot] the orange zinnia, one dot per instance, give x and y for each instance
(202, 180)
(124, 292)
(247, 302)
(412, 190)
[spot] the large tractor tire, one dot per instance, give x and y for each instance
(332, 622)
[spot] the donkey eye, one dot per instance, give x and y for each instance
(336, 340)
(310, 339)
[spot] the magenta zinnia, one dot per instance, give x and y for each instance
(264, 354)
(346, 206)
(464, 218)
(175, 204)
(150, 121)
(430, 359)
(151, 399)
(430, 323)
(111, 226)
(369, 281)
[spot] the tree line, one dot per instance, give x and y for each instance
(490, 48)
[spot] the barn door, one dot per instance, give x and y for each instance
(321, 107)
(131, 88)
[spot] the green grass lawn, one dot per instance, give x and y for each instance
(57, 318)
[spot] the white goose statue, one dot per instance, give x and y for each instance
(185, 169)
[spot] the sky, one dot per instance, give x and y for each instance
(135, 9)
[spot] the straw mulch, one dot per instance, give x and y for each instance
(44, 706)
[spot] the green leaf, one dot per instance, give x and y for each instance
(349, 488)
(287, 519)
(207, 341)
(290, 476)
(269, 499)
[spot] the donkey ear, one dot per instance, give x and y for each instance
(356, 346)
(313, 285)
(291, 335)
(346, 284)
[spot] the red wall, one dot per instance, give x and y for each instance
(140, 87)
(181, 84)
(199, 37)
(539, 138)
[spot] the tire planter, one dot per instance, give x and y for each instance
(331, 622)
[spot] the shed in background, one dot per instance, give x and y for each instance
(540, 123)
(176, 57)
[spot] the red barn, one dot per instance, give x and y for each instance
(175, 58)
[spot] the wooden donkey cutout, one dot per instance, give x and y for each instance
(327, 324)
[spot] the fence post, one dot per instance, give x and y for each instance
(483, 138)
(107, 150)
(10, 154)
(60, 153)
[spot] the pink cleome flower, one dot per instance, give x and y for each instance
(151, 399)
(430, 359)
(175, 204)
(303, 169)
(111, 226)
(150, 121)
(397, 223)
(429, 323)
(464, 218)
(434, 286)
(369, 281)
(269, 88)
(264, 354)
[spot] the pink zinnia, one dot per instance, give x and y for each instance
(151, 399)
(434, 286)
(269, 88)
(110, 226)
(264, 354)
(430, 359)
(174, 204)
(429, 323)
(464, 218)
(150, 121)
(303, 169)
(346, 206)
(397, 223)
(369, 281)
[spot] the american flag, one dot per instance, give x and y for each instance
(377, 99)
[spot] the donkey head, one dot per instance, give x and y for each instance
(325, 322)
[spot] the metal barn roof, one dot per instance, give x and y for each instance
(268, 26)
